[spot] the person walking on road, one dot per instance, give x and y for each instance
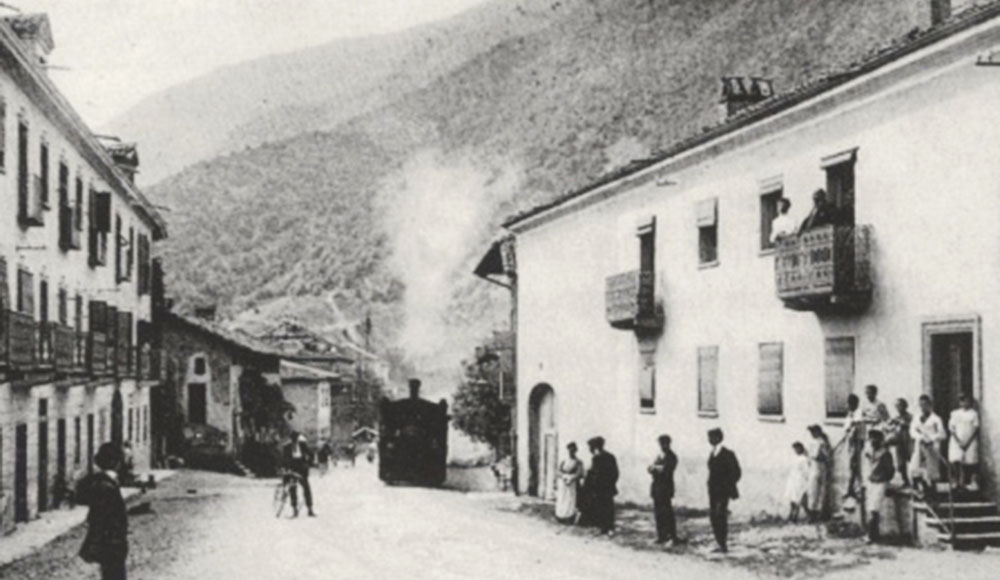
(662, 491)
(106, 542)
(298, 456)
(723, 475)
(601, 486)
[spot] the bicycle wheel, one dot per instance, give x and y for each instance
(280, 495)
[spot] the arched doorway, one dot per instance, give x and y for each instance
(543, 445)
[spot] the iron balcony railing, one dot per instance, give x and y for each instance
(64, 347)
(97, 353)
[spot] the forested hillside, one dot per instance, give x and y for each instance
(381, 194)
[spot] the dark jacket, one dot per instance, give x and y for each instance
(663, 476)
(822, 215)
(723, 475)
(602, 479)
(298, 463)
(107, 520)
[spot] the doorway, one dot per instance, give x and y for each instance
(117, 423)
(21, 473)
(197, 403)
(543, 446)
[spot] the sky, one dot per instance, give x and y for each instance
(119, 51)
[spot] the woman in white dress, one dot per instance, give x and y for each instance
(568, 485)
(963, 448)
(797, 487)
(820, 458)
(927, 431)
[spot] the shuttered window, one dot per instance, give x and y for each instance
(769, 379)
(130, 263)
(708, 372)
(43, 172)
(25, 292)
(647, 384)
(707, 218)
(839, 374)
(78, 211)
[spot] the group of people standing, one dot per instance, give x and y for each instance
(586, 496)
(879, 447)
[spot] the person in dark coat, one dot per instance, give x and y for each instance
(662, 491)
(723, 475)
(298, 457)
(601, 486)
(823, 213)
(106, 543)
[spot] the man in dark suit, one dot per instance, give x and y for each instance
(823, 212)
(723, 475)
(662, 491)
(298, 457)
(106, 542)
(601, 486)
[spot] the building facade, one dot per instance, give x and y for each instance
(76, 339)
(655, 302)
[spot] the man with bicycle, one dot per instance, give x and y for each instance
(298, 457)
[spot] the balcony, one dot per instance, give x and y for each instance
(630, 301)
(64, 347)
(80, 350)
(22, 338)
(97, 353)
(825, 270)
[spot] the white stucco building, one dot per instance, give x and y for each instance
(694, 335)
(75, 284)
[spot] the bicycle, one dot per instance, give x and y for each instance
(283, 491)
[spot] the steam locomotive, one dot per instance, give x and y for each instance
(413, 440)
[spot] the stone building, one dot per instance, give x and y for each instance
(76, 339)
(655, 300)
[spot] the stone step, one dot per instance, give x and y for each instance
(971, 541)
(969, 525)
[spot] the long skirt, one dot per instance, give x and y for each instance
(566, 497)
(819, 482)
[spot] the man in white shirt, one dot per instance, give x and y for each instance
(782, 225)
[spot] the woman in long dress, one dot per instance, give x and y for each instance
(568, 485)
(820, 458)
(797, 487)
(927, 431)
(963, 448)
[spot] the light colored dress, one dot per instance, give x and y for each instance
(927, 434)
(963, 423)
(798, 481)
(567, 488)
(820, 456)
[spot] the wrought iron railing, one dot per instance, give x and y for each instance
(64, 347)
(97, 353)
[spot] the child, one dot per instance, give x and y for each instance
(798, 482)
(855, 434)
(963, 450)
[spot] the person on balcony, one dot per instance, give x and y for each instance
(823, 213)
(963, 450)
(927, 431)
(882, 471)
(782, 226)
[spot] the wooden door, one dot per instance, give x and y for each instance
(21, 473)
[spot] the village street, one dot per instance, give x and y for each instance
(214, 526)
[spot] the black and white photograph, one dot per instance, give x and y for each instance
(494, 289)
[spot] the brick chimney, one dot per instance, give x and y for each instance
(125, 156)
(940, 11)
(741, 92)
(35, 32)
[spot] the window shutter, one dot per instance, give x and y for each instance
(97, 316)
(26, 283)
(707, 212)
(839, 374)
(770, 377)
(708, 370)
(131, 252)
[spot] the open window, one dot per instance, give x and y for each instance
(840, 184)
(708, 232)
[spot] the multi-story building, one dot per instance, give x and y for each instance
(76, 341)
(654, 301)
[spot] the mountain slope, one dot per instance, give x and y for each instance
(389, 207)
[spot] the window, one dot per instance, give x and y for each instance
(3, 140)
(838, 366)
(119, 244)
(144, 265)
(130, 256)
(23, 180)
(199, 365)
(78, 313)
(43, 172)
(708, 232)
(63, 307)
(708, 373)
(197, 403)
(768, 212)
(66, 218)
(76, 441)
(78, 206)
(25, 292)
(840, 184)
(43, 300)
(100, 227)
(769, 378)
(131, 413)
(647, 384)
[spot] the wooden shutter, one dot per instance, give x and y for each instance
(707, 212)
(708, 372)
(26, 292)
(839, 373)
(97, 316)
(770, 378)
(102, 211)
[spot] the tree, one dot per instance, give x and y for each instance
(479, 412)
